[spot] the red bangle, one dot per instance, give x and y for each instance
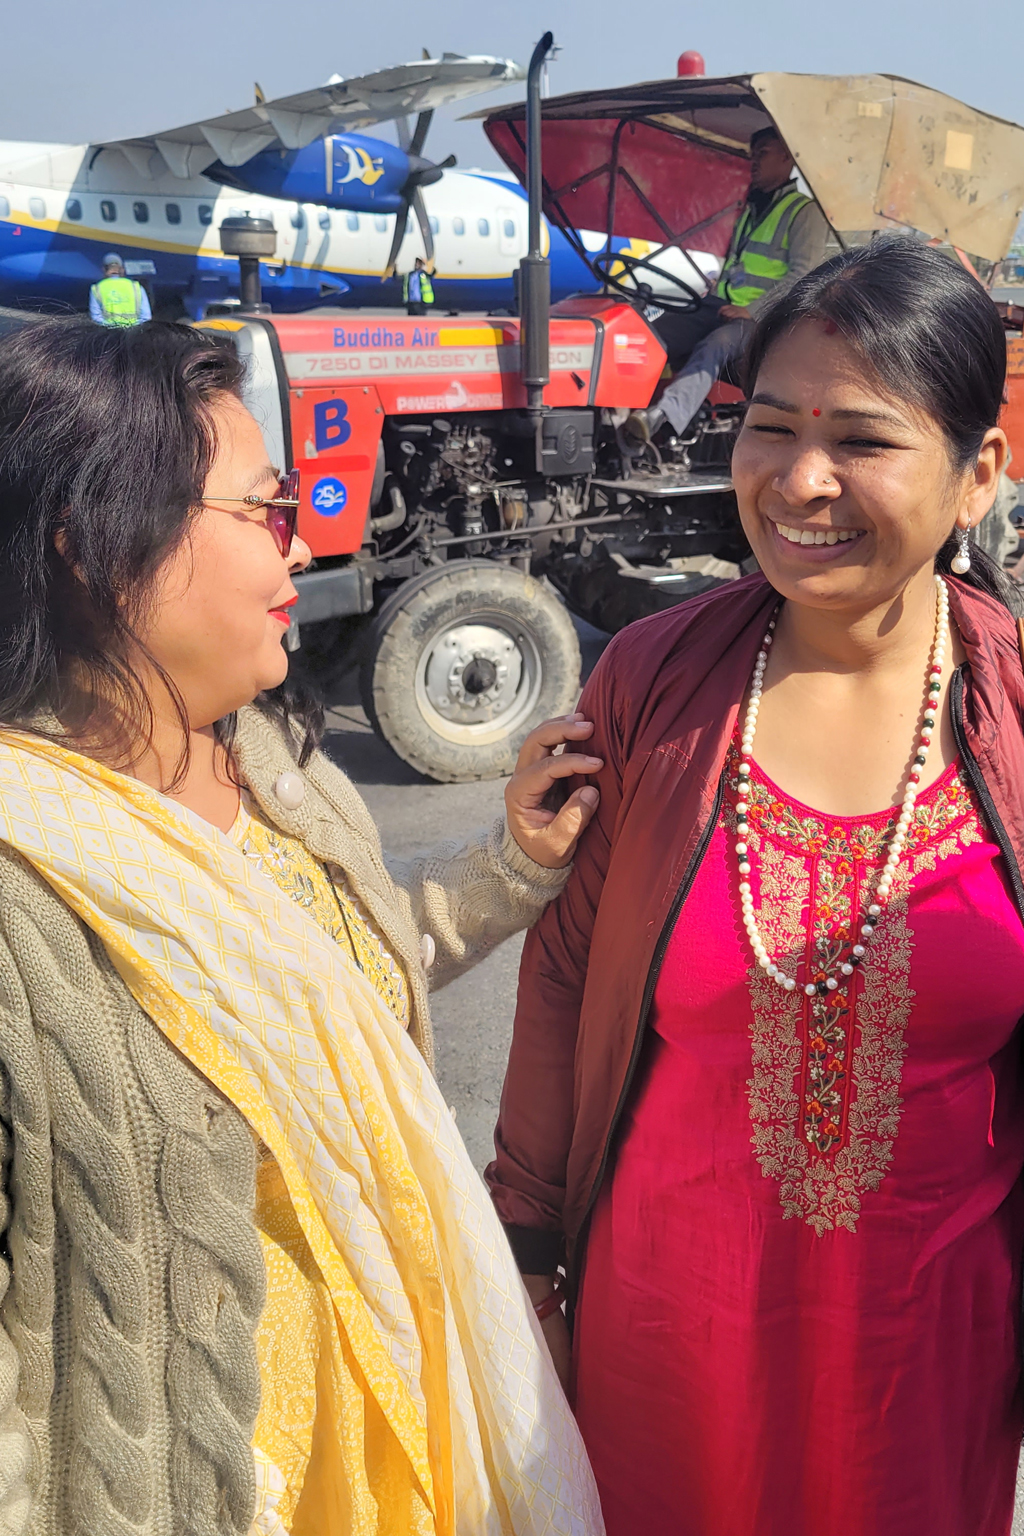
(551, 1304)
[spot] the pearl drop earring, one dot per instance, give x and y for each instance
(961, 562)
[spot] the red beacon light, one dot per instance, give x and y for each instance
(690, 63)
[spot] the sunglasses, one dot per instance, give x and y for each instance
(282, 510)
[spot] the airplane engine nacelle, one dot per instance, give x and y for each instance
(344, 171)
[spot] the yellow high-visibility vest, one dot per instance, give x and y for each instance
(120, 299)
(426, 287)
(758, 256)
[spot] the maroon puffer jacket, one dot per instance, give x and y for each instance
(664, 700)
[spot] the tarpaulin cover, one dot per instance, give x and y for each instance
(662, 186)
(669, 160)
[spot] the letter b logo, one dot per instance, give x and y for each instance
(330, 425)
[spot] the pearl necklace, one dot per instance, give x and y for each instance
(853, 953)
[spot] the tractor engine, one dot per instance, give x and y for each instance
(468, 477)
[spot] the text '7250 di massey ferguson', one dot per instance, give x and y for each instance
(462, 474)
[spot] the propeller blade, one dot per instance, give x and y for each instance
(401, 219)
(423, 220)
(404, 133)
(420, 132)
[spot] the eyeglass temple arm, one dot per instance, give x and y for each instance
(261, 501)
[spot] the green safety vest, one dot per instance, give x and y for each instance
(758, 255)
(120, 299)
(426, 288)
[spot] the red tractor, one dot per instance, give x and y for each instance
(428, 496)
(463, 474)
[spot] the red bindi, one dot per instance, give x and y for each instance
(816, 411)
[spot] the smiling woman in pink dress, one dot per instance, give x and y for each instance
(766, 1096)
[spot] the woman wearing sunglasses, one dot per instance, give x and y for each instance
(248, 1277)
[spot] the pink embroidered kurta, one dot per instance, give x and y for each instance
(800, 1308)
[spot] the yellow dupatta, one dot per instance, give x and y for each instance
(426, 1298)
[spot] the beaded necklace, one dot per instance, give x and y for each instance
(853, 953)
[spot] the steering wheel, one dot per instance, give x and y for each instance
(640, 292)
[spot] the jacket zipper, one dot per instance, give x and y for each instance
(653, 972)
(974, 773)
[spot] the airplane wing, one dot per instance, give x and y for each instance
(291, 122)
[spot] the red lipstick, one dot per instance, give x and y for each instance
(281, 611)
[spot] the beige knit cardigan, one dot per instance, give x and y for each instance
(131, 1275)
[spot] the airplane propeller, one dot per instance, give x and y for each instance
(422, 173)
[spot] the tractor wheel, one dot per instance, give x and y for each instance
(462, 663)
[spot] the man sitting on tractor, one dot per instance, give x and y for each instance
(780, 235)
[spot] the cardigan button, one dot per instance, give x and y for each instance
(290, 790)
(428, 950)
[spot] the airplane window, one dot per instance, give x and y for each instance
(458, 226)
(205, 213)
(380, 224)
(108, 211)
(509, 228)
(435, 226)
(73, 208)
(5, 207)
(352, 221)
(325, 218)
(298, 218)
(483, 227)
(141, 212)
(173, 213)
(37, 208)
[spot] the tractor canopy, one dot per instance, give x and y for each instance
(668, 161)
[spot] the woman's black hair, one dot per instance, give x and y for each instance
(105, 442)
(929, 333)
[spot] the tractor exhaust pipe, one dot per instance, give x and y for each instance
(535, 269)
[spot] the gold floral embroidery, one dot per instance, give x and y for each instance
(824, 1094)
(326, 896)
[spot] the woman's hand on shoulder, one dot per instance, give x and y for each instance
(545, 824)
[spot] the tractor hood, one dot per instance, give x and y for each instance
(668, 161)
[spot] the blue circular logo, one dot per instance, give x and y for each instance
(329, 496)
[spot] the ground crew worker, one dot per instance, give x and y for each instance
(780, 236)
(417, 289)
(117, 299)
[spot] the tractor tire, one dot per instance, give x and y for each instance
(462, 663)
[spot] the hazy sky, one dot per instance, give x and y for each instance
(74, 71)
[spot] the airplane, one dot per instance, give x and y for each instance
(351, 212)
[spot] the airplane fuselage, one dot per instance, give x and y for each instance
(63, 207)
